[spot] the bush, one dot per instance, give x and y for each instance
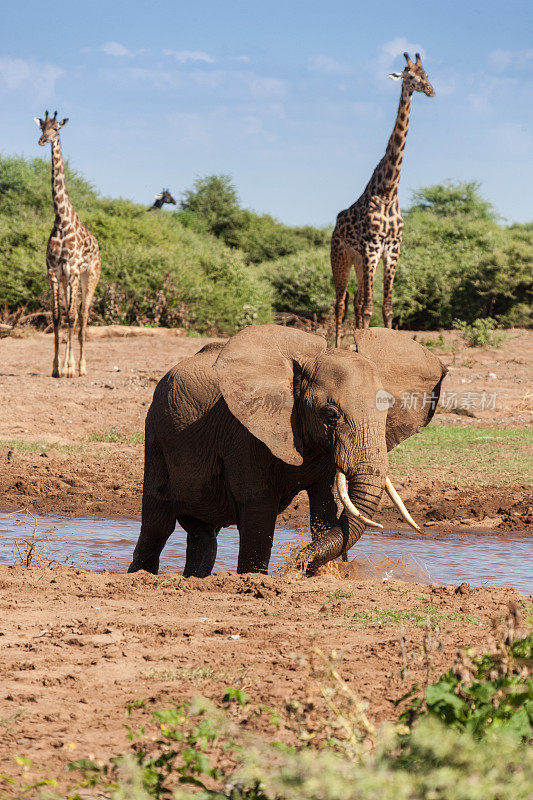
(432, 763)
(212, 206)
(458, 263)
(453, 198)
(302, 285)
(488, 694)
(480, 333)
(215, 267)
(154, 270)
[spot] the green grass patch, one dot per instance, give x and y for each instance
(114, 435)
(467, 455)
(387, 617)
(29, 446)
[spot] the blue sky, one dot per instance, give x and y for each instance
(289, 98)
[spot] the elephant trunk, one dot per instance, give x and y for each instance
(364, 493)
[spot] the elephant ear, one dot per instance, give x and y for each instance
(255, 370)
(411, 375)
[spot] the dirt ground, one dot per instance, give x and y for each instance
(50, 461)
(77, 647)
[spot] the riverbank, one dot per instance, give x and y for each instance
(78, 647)
(75, 446)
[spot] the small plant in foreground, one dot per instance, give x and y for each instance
(481, 333)
(490, 693)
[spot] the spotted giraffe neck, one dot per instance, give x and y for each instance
(386, 177)
(62, 203)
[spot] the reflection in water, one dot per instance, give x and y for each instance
(481, 559)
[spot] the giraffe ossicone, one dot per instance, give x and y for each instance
(72, 256)
(371, 229)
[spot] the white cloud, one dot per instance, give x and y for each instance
(115, 49)
(326, 65)
(389, 52)
(184, 56)
(243, 58)
(488, 90)
(265, 87)
(16, 74)
(503, 59)
(256, 86)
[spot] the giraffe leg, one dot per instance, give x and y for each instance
(88, 283)
(390, 259)
(370, 263)
(340, 267)
(56, 317)
(360, 295)
(71, 294)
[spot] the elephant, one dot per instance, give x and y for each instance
(236, 431)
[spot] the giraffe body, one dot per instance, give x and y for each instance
(72, 258)
(371, 229)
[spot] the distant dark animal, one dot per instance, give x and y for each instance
(163, 197)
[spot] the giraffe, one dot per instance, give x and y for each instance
(72, 256)
(163, 197)
(372, 227)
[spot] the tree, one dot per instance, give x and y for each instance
(214, 202)
(452, 199)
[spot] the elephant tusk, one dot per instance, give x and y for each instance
(398, 502)
(342, 489)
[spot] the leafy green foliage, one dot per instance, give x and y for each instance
(431, 763)
(215, 267)
(457, 262)
(486, 698)
(235, 694)
(450, 199)
(154, 270)
(480, 333)
(212, 206)
(303, 286)
(487, 694)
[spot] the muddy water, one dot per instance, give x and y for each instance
(482, 559)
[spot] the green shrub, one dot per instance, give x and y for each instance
(480, 333)
(154, 270)
(214, 267)
(302, 285)
(452, 198)
(198, 753)
(212, 206)
(457, 262)
(488, 694)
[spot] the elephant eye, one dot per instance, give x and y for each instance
(331, 414)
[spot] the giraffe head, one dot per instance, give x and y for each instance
(165, 197)
(414, 76)
(49, 127)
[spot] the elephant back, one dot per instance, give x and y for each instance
(188, 390)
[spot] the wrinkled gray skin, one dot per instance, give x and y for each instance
(236, 431)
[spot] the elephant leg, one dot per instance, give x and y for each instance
(201, 547)
(323, 509)
(256, 523)
(158, 522)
